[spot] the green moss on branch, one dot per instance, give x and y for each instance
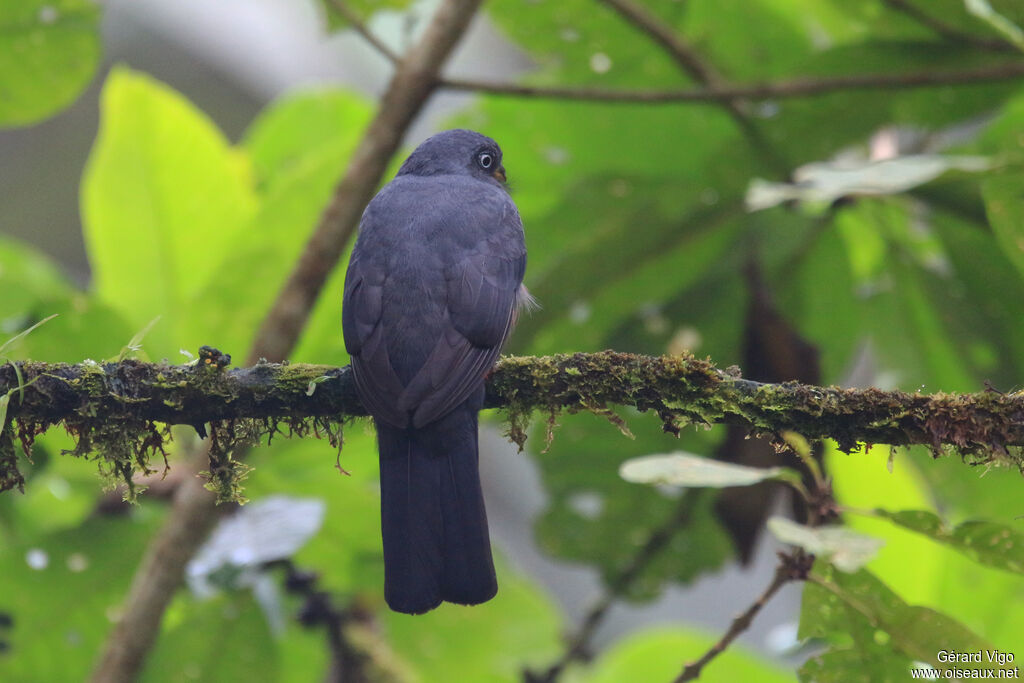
(119, 412)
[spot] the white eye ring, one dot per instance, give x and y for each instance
(485, 160)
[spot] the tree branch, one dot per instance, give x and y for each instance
(800, 87)
(577, 647)
(357, 24)
(791, 568)
(105, 407)
(194, 511)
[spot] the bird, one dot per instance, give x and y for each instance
(432, 292)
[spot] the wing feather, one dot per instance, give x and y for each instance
(445, 308)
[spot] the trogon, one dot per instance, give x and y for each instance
(432, 291)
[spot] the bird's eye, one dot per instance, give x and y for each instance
(485, 160)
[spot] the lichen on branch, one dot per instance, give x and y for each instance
(119, 412)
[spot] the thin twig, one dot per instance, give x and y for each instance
(659, 538)
(673, 44)
(947, 31)
(359, 26)
(701, 71)
(789, 569)
(799, 87)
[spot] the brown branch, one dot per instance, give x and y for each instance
(357, 25)
(194, 511)
(118, 403)
(157, 579)
(800, 87)
(577, 647)
(946, 31)
(791, 568)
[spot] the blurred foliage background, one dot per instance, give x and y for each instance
(646, 233)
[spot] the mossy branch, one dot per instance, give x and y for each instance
(115, 409)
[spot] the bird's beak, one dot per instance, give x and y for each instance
(500, 174)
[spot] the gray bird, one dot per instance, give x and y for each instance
(431, 294)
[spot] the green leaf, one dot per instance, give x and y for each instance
(60, 492)
(299, 147)
(494, 641)
(989, 543)
(918, 569)
(845, 548)
(83, 328)
(807, 130)
(595, 517)
(825, 182)
(49, 50)
(347, 549)
(303, 131)
(34, 288)
(164, 200)
(224, 638)
(61, 590)
(659, 654)
(688, 470)
(874, 635)
(29, 280)
(981, 267)
(1004, 204)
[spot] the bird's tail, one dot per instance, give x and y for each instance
(436, 544)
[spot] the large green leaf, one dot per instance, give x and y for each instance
(844, 548)
(1004, 204)
(812, 129)
(819, 292)
(347, 548)
(62, 608)
(495, 641)
(224, 638)
(918, 569)
(992, 544)
(164, 199)
(30, 282)
(34, 288)
(904, 290)
(49, 50)
(299, 147)
(595, 517)
(691, 471)
(875, 635)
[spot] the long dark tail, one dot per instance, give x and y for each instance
(436, 544)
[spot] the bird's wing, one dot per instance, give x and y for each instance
(480, 308)
(422, 357)
(376, 381)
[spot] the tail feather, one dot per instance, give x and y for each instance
(436, 543)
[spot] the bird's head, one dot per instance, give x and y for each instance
(457, 152)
